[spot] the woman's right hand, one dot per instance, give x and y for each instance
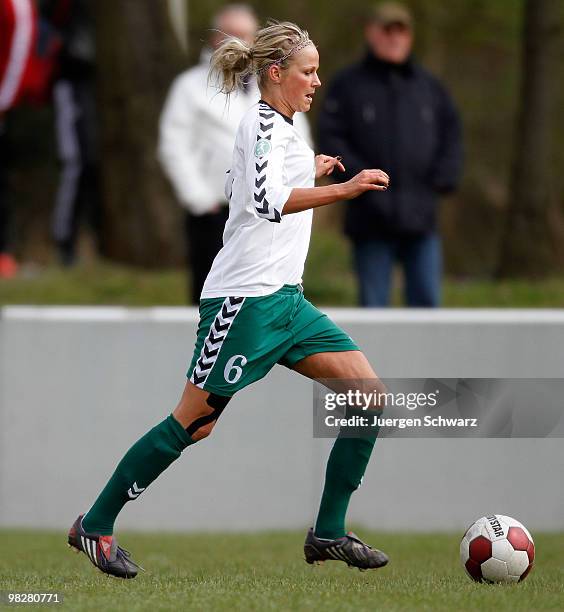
(367, 180)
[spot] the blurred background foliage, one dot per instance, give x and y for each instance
(474, 46)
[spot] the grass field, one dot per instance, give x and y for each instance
(108, 284)
(266, 572)
(328, 280)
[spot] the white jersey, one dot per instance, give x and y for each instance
(263, 249)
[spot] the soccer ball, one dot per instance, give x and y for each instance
(497, 548)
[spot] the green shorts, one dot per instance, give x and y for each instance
(241, 339)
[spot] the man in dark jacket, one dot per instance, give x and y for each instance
(387, 112)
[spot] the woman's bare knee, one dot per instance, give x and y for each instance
(346, 373)
(192, 410)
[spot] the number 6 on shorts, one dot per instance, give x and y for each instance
(232, 372)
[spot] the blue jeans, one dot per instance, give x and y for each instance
(420, 258)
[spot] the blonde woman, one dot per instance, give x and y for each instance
(253, 314)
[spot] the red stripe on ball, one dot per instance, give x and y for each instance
(480, 549)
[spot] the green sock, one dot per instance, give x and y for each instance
(345, 469)
(143, 462)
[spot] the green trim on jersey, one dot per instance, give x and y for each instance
(241, 339)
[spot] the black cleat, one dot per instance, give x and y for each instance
(103, 552)
(350, 549)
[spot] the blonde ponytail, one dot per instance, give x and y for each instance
(230, 64)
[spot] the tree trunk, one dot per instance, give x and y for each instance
(528, 246)
(138, 55)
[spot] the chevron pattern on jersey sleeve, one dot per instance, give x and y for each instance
(262, 206)
(215, 339)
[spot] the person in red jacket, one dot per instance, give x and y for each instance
(28, 54)
(17, 35)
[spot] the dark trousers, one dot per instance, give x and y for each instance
(420, 258)
(78, 193)
(4, 217)
(204, 236)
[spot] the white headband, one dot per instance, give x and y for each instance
(295, 49)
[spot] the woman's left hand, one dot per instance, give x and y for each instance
(325, 164)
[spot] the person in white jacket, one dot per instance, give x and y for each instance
(196, 136)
